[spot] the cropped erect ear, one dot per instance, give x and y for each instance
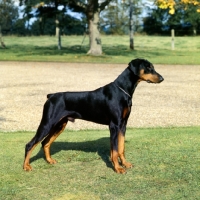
(135, 66)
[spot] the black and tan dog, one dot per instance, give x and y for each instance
(109, 105)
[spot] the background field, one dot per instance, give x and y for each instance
(166, 160)
(115, 48)
(166, 166)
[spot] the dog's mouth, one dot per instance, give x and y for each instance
(148, 81)
(158, 81)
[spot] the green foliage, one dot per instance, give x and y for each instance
(8, 14)
(185, 21)
(116, 49)
(192, 17)
(115, 18)
(69, 26)
(153, 23)
(166, 166)
(51, 14)
(19, 27)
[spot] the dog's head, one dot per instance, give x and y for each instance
(145, 71)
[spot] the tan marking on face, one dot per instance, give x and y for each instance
(154, 78)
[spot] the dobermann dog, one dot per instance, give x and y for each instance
(109, 105)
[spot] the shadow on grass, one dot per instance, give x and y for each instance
(100, 146)
(117, 50)
(29, 50)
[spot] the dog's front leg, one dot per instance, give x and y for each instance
(121, 150)
(114, 154)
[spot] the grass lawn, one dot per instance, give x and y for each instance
(157, 49)
(166, 166)
(166, 160)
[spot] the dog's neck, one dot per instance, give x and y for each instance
(127, 80)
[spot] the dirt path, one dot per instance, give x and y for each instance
(24, 85)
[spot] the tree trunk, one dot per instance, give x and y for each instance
(41, 26)
(94, 35)
(58, 34)
(59, 40)
(1, 39)
(0, 34)
(194, 31)
(131, 25)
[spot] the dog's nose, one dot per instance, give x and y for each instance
(161, 79)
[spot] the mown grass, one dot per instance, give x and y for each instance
(157, 49)
(167, 166)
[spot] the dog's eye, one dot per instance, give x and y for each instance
(149, 68)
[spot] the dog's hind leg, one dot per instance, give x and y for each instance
(26, 165)
(41, 133)
(46, 143)
(43, 130)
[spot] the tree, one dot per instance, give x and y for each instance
(91, 9)
(154, 22)
(131, 24)
(192, 17)
(69, 26)
(187, 13)
(160, 21)
(19, 27)
(114, 19)
(8, 13)
(172, 5)
(48, 9)
(134, 11)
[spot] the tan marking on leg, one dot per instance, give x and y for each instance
(125, 112)
(111, 152)
(121, 150)
(115, 161)
(47, 143)
(26, 165)
(121, 147)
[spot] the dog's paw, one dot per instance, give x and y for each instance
(27, 167)
(51, 161)
(127, 165)
(120, 170)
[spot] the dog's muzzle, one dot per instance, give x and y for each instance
(161, 79)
